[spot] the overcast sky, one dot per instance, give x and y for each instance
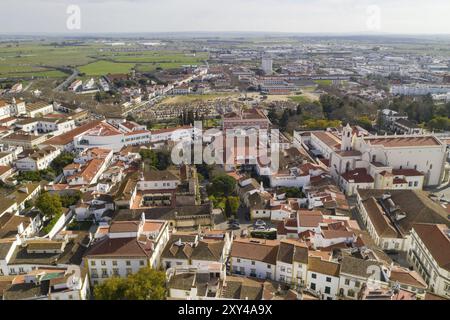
(303, 16)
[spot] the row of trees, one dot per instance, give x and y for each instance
(423, 110)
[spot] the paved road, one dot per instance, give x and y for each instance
(68, 81)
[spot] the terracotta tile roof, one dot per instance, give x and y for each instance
(4, 169)
(380, 222)
(256, 249)
(120, 247)
(316, 264)
(358, 175)
(407, 277)
(395, 142)
(68, 137)
(328, 138)
(307, 218)
(436, 240)
(406, 172)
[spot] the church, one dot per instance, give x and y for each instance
(388, 162)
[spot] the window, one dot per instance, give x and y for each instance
(253, 263)
(116, 272)
(238, 260)
(357, 284)
(253, 272)
(282, 279)
(269, 266)
(313, 275)
(282, 269)
(416, 183)
(347, 282)
(128, 263)
(114, 263)
(328, 279)
(313, 286)
(447, 287)
(327, 290)
(268, 275)
(141, 262)
(103, 263)
(92, 263)
(129, 271)
(104, 273)
(242, 270)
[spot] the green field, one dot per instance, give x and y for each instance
(99, 68)
(43, 59)
(324, 82)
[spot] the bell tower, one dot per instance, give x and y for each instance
(347, 135)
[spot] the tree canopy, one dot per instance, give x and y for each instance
(146, 284)
(61, 161)
(222, 185)
(49, 204)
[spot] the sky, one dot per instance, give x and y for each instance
(293, 16)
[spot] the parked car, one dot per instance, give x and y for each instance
(260, 223)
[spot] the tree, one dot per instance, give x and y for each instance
(146, 284)
(222, 185)
(159, 159)
(284, 120)
(231, 206)
(439, 124)
(61, 161)
(50, 205)
(291, 192)
(70, 199)
(111, 289)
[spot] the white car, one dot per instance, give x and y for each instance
(260, 223)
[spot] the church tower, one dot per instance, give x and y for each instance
(347, 135)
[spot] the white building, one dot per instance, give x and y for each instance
(104, 135)
(127, 247)
(267, 65)
(39, 109)
(323, 277)
(390, 214)
(425, 154)
(38, 160)
(429, 254)
(254, 258)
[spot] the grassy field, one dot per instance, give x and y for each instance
(99, 68)
(324, 82)
(299, 99)
(43, 59)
